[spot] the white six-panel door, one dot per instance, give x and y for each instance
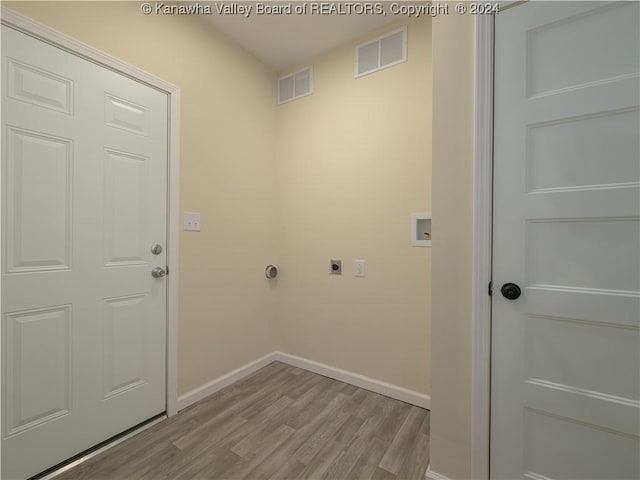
(566, 354)
(84, 172)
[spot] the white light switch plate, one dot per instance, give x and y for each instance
(359, 268)
(191, 221)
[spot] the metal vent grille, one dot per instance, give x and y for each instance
(382, 52)
(295, 85)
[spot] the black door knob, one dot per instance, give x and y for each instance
(510, 291)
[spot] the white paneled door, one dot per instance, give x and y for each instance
(84, 184)
(565, 395)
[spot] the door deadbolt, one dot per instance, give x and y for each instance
(156, 249)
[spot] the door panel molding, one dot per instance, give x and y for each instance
(36, 365)
(48, 35)
(27, 165)
(60, 87)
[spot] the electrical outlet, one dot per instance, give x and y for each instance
(191, 221)
(359, 268)
(335, 267)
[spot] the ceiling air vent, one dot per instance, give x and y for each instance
(382, 52)
(296, 85)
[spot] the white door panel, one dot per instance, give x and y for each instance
(557, 39)
(564, 448)
(84, 170)
(565, 395)
(38, 209)
(39, 372)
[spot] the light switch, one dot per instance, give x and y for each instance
(359, 268)
(191, 221)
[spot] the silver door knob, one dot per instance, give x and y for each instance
(158, 272)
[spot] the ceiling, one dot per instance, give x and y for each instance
(284, 41)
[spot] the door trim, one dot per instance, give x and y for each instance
(482, 243)
(44, 33)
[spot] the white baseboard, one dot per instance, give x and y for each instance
(219, 383)
(431, 475)
(371, 384)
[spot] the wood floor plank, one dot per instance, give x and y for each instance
(302, 384)
(160, 435)
(331, 450)
(417, 459)
(237, 398)
(370, 402)
(402, 442)
(348, 389)
(207, 446)
(284, 463)
(257, 406)
(215, 468)
(309, 436)
(198, 466)
(382, 474)
(131, 454)
(326, 430)
(289, 470)
(196, 436)
(367, 464)
(260, 430)
(393, 422)
(358, 444)
(210, 432)
(140, 468)
(127, 465)
(328, 394)
(280, 423)
(235, 435)
(264, 449)
(249, 384)
(249, 442)
(156, 467)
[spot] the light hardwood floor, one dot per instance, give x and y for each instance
(280, 423)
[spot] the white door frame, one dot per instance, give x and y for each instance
(484, 49)
(42, 32)
(482, 232)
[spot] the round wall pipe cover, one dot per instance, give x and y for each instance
(271, 271)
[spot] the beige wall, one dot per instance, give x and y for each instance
(453, 72)
(335, 174)
(354, 162)
(228, 133)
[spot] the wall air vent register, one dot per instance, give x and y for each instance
(382, 52)
(295, 85)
